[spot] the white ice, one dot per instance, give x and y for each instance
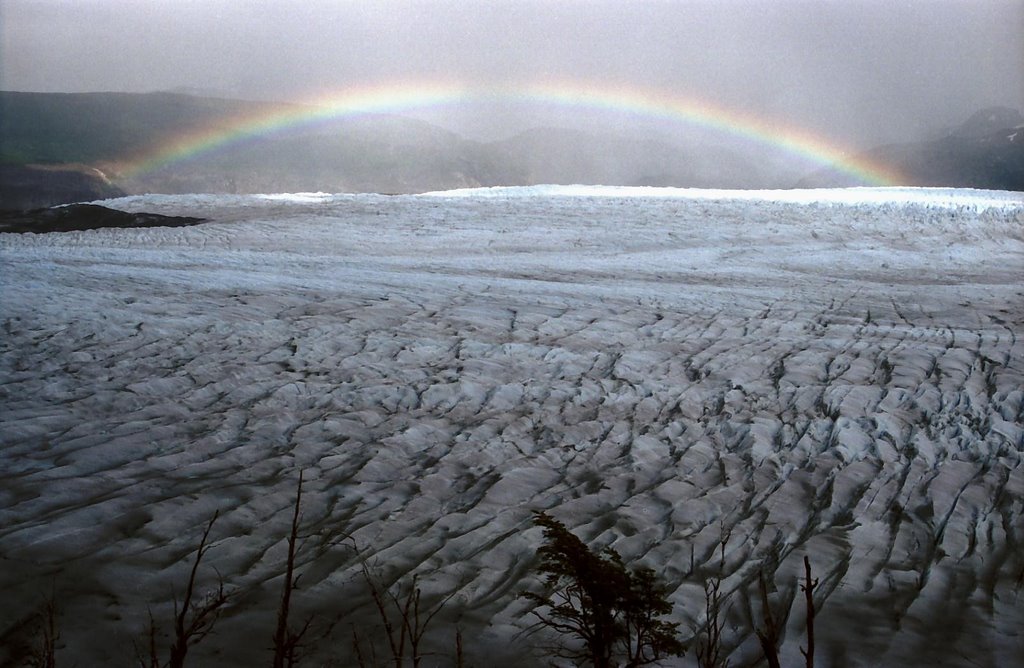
(836, 373)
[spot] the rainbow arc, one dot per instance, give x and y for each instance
(396, 98)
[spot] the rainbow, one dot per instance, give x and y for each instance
(643, 103)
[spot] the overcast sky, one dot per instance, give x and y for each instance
(858, 70)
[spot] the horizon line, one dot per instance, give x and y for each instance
(396, 98)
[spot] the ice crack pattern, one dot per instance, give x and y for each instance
(835, 378)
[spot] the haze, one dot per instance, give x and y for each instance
(859, 72)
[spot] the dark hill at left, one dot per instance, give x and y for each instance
(58, 148)
(91, 128)
(108, 132)
(35, 186)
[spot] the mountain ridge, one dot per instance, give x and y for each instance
(985, 151)
(63, 147)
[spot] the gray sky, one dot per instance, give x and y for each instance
(859, 71)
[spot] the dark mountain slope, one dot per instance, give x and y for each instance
(97, 127)
(986, 151)
(34, 186)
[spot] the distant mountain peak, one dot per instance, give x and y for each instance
(985, 151)
(988, 121)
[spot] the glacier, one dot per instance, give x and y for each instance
(709, 382)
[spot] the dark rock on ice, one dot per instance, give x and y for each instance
(76, 217)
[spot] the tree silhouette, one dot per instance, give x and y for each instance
(594, 598)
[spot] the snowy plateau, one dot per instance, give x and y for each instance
(709, 382)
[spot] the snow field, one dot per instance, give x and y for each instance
(837, 375)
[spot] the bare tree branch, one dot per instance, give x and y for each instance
(194, 621)
(808, 588)
(286, 640)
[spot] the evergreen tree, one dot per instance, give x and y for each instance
(614, 612)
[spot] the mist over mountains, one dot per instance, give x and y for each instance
(986, 151)
(57, 148)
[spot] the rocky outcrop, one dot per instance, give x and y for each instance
(85, 217)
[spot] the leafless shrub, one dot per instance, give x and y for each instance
(808, 588)
(286, 639)
(771, 632)
(44, 654)
(150, 659)
(194, 617)
(709, 650)
(405, 620)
